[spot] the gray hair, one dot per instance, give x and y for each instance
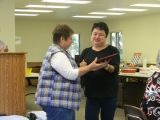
(3, 46)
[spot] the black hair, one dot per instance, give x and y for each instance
(101, 26)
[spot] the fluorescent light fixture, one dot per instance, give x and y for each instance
(46, 6)
(67, 1)
(17, 14)
(127, 9)
(106, 13)
(86, 16)
(146, 5)
(31, 10)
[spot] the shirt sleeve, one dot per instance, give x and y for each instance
(61, 63)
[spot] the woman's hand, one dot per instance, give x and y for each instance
(94, 66)
(83, 63)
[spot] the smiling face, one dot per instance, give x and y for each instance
(98, 37)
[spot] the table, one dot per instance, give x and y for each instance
(129, 92)
(131, 88)
(32, 76)
(135, 75)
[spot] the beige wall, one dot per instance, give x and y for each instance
(140, 34)
(36, 35)
(7, 23)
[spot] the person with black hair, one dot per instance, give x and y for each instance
(59, 91)
(100, 87)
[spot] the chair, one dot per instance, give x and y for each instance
(134, 113)
(132, 117)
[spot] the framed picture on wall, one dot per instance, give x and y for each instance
(74, 49)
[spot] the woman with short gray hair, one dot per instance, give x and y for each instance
(3, 47)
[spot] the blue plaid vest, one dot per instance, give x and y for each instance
(55, 90)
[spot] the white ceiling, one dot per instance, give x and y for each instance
(95, 5)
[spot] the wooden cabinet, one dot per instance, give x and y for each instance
(12, 83)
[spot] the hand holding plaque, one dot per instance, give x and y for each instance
(107, 58)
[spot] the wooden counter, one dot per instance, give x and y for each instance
(12, 83)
